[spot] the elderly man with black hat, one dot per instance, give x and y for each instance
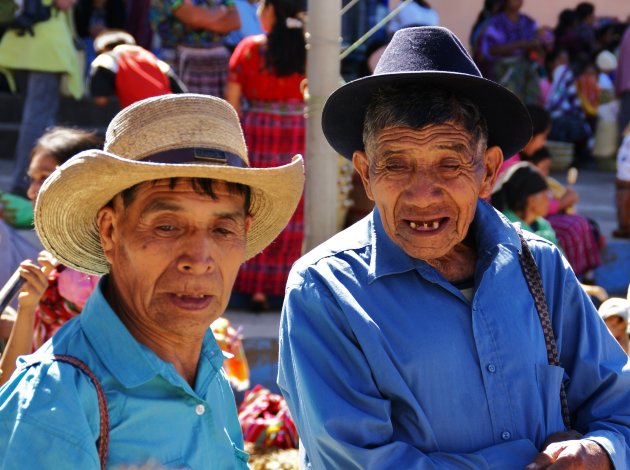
(434, 334)
(167, 212)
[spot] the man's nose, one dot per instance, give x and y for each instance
(422, 185)
(197, 253)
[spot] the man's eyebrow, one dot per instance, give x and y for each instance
(162, 205)
(236, 216)
(460, 148)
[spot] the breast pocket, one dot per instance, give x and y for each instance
(549, 379)
(241, 458)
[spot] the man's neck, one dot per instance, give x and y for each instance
(458, 265)
(183, 353)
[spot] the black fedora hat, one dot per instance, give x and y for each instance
(426, 56)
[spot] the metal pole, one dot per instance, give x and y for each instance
(323, 73)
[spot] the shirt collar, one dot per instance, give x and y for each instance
(491, 229)
(129, 361)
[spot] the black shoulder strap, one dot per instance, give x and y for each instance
(534, 282)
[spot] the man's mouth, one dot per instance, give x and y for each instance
(426, 225)
(192, 301)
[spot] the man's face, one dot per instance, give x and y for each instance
(426, 183)
(618, 327)
(174, 255)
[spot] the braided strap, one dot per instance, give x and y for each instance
(534, 282)
(103, 439)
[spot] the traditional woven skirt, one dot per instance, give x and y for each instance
(577, 240)
(203, 70)
(274, 133)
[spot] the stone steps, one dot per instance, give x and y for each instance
(74, 113)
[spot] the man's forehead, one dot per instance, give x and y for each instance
(447, 135)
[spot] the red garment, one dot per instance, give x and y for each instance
(274, 128)
(247, 68)
(139, 76)
(54, 310)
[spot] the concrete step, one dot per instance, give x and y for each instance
(74, 113)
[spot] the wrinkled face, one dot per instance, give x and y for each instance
(426, 183)
(174, 254)
(41, 166)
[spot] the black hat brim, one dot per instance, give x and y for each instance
(509, 124)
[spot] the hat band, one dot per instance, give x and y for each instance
(197, 155)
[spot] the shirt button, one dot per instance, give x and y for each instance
(200, 409)
(505, 435)
(492, 368)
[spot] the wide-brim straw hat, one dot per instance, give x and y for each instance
(426, 57)
(171, 136)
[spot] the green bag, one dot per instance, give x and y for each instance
(17, 211)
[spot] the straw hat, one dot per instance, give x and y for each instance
(615, 306)
(426, 57)
(186, 135)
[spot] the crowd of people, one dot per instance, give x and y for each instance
(195, 196)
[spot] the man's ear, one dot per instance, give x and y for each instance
(362, 165)
(493, 158)
(106, 222)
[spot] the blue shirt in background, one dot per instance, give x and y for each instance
(385, 364)
(49, 415)
(250, 24)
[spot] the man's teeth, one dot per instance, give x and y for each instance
(201, 296)
(426, 225)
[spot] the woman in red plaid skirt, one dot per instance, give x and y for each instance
(265, 86)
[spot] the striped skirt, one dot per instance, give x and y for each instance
(202, 70)
(274, 133)
(577, 240)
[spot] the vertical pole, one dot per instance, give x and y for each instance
(323, 73)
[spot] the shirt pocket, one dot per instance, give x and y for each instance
(241, 458)
(549, 378)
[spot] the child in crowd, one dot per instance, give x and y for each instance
(575, 234)
(522, 195)
(52, 293)
(614, 312)
(623, 188)
(128, 71)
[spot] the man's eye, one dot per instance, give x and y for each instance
(166, 228)
(396, 166)
(223, 231)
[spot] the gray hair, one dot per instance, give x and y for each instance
(409, 107)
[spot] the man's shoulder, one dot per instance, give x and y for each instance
(348, 243)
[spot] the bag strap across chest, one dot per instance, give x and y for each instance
(534, 282)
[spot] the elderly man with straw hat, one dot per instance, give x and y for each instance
(167, 212)
(434, 334)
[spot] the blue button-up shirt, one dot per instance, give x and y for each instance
(49, 415)
(385, 364)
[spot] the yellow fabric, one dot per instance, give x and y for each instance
(558, 191)
(51, 49)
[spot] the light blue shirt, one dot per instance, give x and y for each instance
(250, 24)
(49, 414)
(385, 364)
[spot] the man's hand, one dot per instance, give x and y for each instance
(571, 455)
(36, 277)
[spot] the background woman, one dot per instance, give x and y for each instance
(508, 39)
(265, 86)
(521, 194)
(52, 293)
